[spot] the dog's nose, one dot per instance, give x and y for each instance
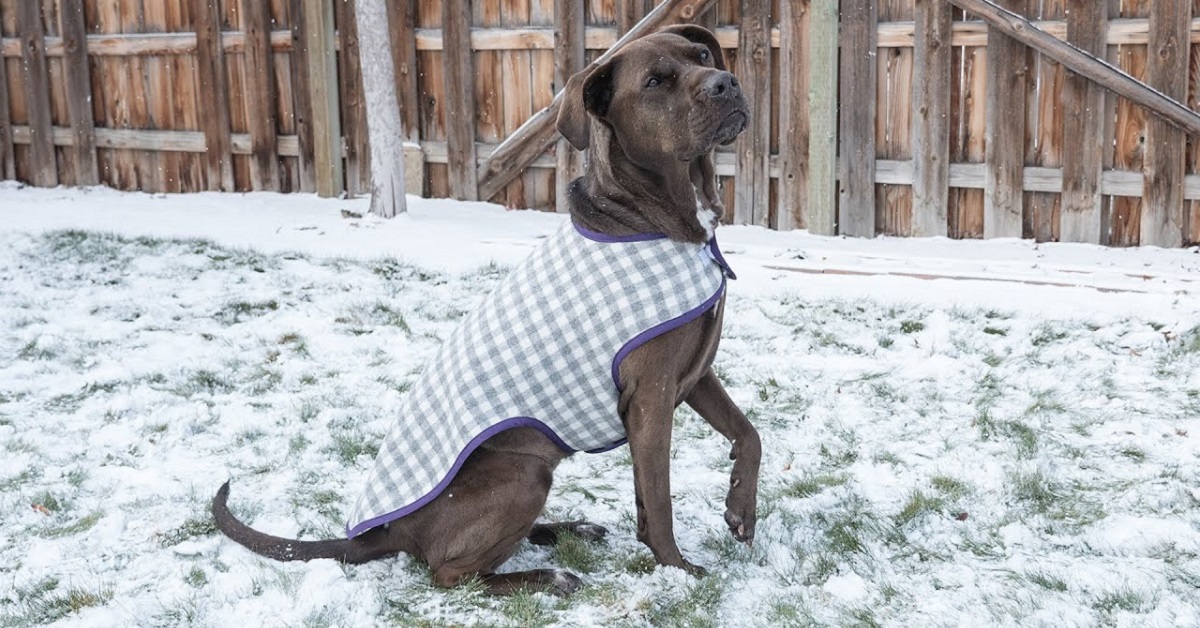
(721, 84)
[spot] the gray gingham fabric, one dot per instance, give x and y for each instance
(542, 351)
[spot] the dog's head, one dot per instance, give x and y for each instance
(666, 96)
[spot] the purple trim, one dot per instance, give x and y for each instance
(662, 328)
(716, 253)
(596, 236)
(506, 424)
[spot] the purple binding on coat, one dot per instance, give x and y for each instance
(506, 424)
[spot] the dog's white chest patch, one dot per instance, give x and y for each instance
(707, 218)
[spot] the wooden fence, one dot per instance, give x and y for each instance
(928, 122)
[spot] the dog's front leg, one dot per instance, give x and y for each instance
(710, 400)
(647, 420)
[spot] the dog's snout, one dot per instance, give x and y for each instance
(721, 85)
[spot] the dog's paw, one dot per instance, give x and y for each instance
(694, 569)
(589, 531)
(564, 583)
(741, 524)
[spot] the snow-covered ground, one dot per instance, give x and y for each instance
(955, 433)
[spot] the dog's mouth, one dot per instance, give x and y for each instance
(731, 126)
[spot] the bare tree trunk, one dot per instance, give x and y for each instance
(384, 130)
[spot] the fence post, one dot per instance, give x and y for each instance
(214, 95)
(8, 165)
(931, 119)
(1084, 112)
(822, 108)
(793, 114)
(37, 92)
(752, 188)
(459, 91)
(569, 58)
(79, 93)
(264, 163)
(1004, 195)
(859, 71)
(323, 84)
(1163, 221)
(354, 108)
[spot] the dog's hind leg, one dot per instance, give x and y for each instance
(548, 533)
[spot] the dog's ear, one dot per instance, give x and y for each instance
(589, 91)
(700, 35)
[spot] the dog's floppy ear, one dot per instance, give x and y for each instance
(589, 91)
(700, 35)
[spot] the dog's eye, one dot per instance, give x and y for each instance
(653, 81)
(704, 55)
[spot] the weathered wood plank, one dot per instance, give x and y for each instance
(402, 16)
(822, 46)
(792, 193)
(538, 133)
(1003, 208)
(1163, 220)
(354, 108)
(264, 163)
(569, 58)
(859, 71)
(751, 205)
(1083, 103)
(931, 119)
(79, 92)
(43, 169)
(1043, 147)
(630, 12)
(8, 160)
(302, 99)
(323, 86)
(459, 93)
(894, 101)
(214, 94)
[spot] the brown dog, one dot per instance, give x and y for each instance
(650, 118)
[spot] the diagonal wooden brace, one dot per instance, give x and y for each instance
(1083, 63)
(532, 139)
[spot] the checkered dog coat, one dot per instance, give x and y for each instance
(543, 350)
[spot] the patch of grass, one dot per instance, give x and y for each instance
(695, 608)
(239, 311)
(33, 350)
(83, 524)
(577, 554)
(383, 314)
(349, 445)
(45, 602)
(1034, 490)
(196, 577)
(1133, 453)
(525, 608)
(791, 612)
(70, 402)
(995, 331)
(911, 327)
(1124, 599)
(50, 501)
(917, 505)
(395, 270)
(861, 617)
(297, 444)
(203, 382)
(637, 563)
(951, 488)
(810, 485)
(849, 527)
(196, 526)
(1048, 334)
(1047, 581)
(14, 482)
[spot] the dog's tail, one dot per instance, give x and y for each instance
(350, 551)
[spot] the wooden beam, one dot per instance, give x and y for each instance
(1003, 201)
(1168, 64)
(44, 168)
(859, 70)
(1083, 128)
(354, 109)
(402, 24)
(260, 75)
(751, 192)
(793, 114)
(822, 107)
(79, 92)
(538, 133)
(458, 89)
(1074, 59)
(931, 119)
(323, 83)
(214, 94)
(302, 98)
(8, 163)
(569, 58)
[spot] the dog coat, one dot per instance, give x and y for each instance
(543, 350)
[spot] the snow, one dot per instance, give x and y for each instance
(955, 433)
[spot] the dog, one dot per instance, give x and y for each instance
(649, 118)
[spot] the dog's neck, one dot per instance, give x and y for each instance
(619, 198)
